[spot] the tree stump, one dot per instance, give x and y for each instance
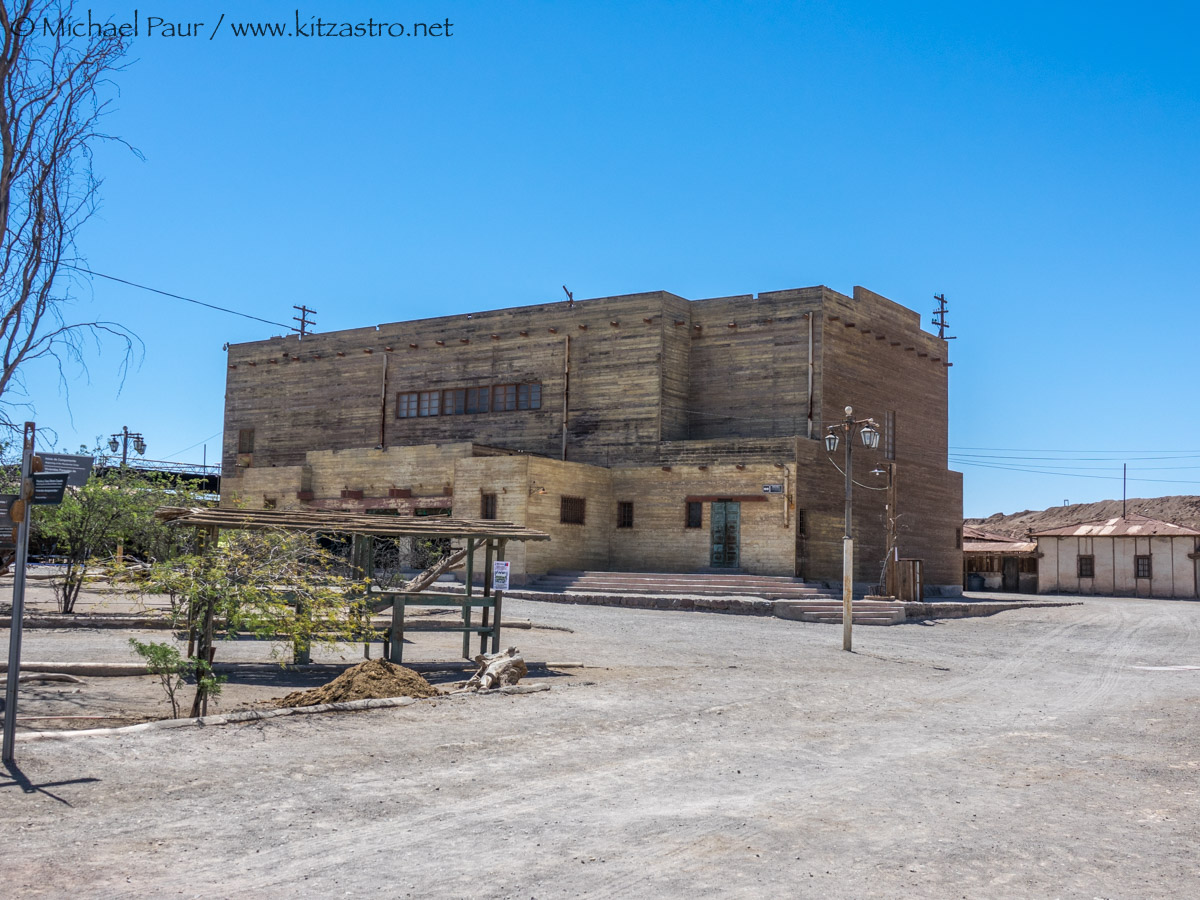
(497, 670)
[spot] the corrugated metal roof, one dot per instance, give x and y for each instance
(1002, 548)
(975, 533)
(1129, 526)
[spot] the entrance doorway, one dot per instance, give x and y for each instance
(726, 515)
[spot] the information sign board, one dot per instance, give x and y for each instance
(48, 489)
(77, 468)
(500, 575)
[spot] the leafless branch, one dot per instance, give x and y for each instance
(52, 97)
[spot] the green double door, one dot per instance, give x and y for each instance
(726, 516)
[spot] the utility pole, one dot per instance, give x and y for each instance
(305, 323)
(939, 317)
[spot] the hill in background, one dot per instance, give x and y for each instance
(1179, 510)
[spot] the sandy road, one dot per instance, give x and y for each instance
(1022, 755)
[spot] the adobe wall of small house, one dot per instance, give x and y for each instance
(660, 540)
(1173, 570)
(508, 479)
(425, 473)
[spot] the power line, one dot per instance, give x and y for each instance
(1184, 455)
(1043, 450)
(197, 444)
(1059, 474)
(232, 312)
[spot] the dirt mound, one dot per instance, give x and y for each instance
(374, 679)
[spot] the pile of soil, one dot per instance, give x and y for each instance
(374, 679)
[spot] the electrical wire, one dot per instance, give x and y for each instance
(197, 444)
(232, 312)
(1071, 474)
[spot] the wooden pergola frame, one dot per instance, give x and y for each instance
(363, 528)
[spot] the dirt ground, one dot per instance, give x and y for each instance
(1040, 753)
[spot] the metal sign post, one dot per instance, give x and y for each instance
(18, 599)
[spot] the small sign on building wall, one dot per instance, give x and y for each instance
(500, 575)
(772, 488)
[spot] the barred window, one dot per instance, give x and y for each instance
(246, 440)
(802, 522)
(889, 435)
(406, 405)
(504, 397)
(624, 514)
(1087, 567)
(572, 510)
(529, 396)
(428, 404)
(1141, 567)
(487, 506)
(454, 402)
(695, 514)
(477, 399)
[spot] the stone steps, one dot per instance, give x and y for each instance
(702, 584)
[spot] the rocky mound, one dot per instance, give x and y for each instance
(374, 679)
(1178, 510)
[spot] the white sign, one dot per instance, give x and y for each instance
(500, 575)
(772, 488)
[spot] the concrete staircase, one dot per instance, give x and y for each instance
(793, 599)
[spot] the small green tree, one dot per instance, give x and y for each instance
(172, 669)
(273, 585)
(114, 508)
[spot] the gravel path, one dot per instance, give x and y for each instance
(1037, 753)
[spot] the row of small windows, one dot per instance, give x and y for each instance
(1087, 566)
(464, 401)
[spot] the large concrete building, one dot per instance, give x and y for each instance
(644, 432)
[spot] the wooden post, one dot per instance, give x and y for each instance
(466, 610)
(497, 596)
(396, 649)
(487, 592)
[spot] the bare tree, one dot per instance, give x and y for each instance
(52, 98)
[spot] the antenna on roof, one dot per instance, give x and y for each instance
(939, 317)
(1124, 493)
(570, 297)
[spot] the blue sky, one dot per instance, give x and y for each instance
(1035, 163)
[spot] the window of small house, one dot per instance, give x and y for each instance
(246, 440)
(1141, 566)
(487, 506)
(571, 510)
(529, 396)
(1087, 567)
(477, 399)
(625, 514)
(695, 514)
(429, 403)
(406, 405)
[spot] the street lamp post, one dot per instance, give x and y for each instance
(122, 438)
(870, 439)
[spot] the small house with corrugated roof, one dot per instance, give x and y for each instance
(1130, 555)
